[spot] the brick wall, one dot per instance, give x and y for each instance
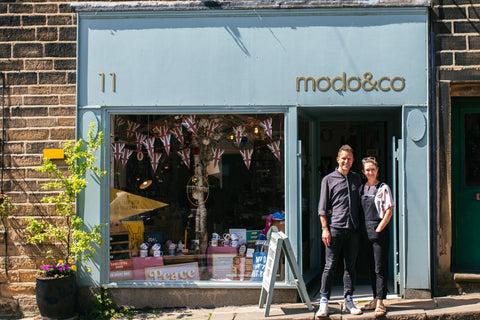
(38, 60)
(456, 24)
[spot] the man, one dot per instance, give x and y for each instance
(338, 209)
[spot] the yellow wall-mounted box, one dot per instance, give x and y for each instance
(53, 153)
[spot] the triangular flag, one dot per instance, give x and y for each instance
(117, 151)
(238, 134)
(166, 143)
(247, 157)
(275, 147)
(217, 154)
(267, 126)
(125, 156)
(185, 155)
(154, 160)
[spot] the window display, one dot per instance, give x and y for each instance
(195, 196)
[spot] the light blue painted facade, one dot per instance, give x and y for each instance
(225, 61)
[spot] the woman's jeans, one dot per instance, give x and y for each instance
(349, 240)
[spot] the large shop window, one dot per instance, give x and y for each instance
(195, 196)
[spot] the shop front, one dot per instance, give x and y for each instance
(221, 122)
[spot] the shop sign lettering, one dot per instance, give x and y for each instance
(353, 83)
(178, 272)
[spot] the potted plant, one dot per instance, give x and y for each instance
(55, 284)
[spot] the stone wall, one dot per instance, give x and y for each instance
(38, 63)
(456, 24)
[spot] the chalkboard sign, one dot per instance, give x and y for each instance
(278, 242)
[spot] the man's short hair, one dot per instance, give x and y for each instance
(345, 148)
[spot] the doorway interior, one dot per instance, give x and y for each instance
(369, 130)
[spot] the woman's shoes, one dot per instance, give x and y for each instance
(380, 311)
(369, 306)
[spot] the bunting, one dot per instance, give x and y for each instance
(117, 151)
(149, 143)
(125, 156)
(238, 134)
(160, 130)
(275, 148)
(166, 143)
(247, 157)
(132, 127)
(189, 123)
(211, 126)
(267, 126)
(154, 160)
(185, 155)
(217, 154)
(177, 132)
(120, 121)
(140, 138)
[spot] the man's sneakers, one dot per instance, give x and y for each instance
(323, 309)
(350, 306)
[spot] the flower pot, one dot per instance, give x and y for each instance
(56, 297)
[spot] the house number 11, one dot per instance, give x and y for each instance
(102, 80)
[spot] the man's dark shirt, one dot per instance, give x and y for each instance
(340, 194)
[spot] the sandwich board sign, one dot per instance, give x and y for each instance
(278, 242)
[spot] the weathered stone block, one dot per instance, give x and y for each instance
(20, 8)
(40, 100)
(68, 100)
(60, 49)
(66, 89)
(37, 147)
(28, 50)
(17, 289)
(67, 122)
(65, 64)
(72, 77)
(466, 27)
(451, 42)
(45, 8)
(65, 8)
(43, 90)
(474, 42)
(26, 161)
(467, 58)
(444, 58)
(11, 65)
(28, 135)
(9, 21)
(68, 34)
(63, 134)
(41, 64)
(22, 78)
(29, 112)
(5, 50)
(450, 13)
(47, 34)
(62, 111)
(56, 20)
(52, 78)
(16, 34)
(474, 12)
(34, 20)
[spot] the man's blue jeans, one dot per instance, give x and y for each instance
(349, 240)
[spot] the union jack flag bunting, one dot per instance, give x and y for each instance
(211, 126)
(247, 157)
(117, 151)
(120, 121)
(238, 134)
(189, 123)
(267, 126)
(140, 138)
(149, 143)
(154, 160)
(160, 130)
(185, 155)
(132, 127)
(275, 148)
(166, 143)
(125, 156)
(217, 154)
(177, 132)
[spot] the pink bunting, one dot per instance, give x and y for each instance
(132, 127)
(125, 156)
(154, 160)
(117, 151)
(238, 134)
(217, 154)
(185, 155)
(166, 143)
(267, 126)
(247, 157)
(275, 148)
(177, 132)
(189, 123)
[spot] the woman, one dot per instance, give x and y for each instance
(377, 204)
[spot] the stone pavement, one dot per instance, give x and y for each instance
(465, 307)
